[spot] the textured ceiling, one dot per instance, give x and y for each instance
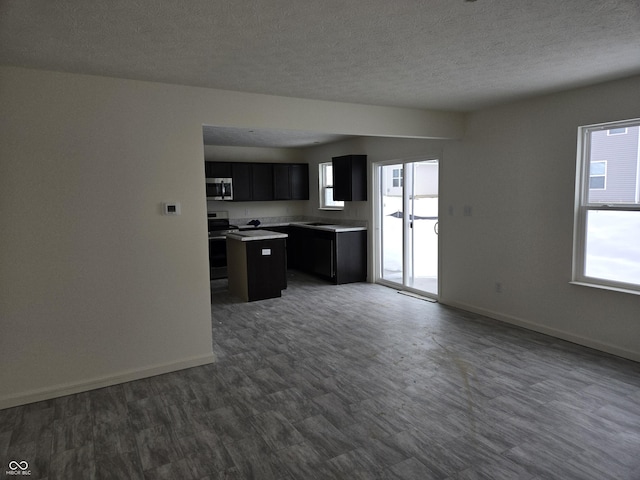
(266, 137)
(437, 54)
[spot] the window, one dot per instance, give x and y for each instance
(326, 188)
(397, 177)
(607, 223)
(598, 175)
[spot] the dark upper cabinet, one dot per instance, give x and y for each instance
(242, 182)
(350, 178)
(299, 181)
(262, 181)
(281, 184)
(252, 181)
(217, 169)
(290, 181)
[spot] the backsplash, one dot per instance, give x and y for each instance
(297, 218)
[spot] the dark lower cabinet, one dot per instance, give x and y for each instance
(351, 257)
(323, 256)
(217, 258)
(340, 257)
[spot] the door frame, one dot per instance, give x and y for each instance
(377, 225)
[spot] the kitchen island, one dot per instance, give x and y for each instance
(332, 251)
(256, 264)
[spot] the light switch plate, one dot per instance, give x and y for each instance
(171, 208)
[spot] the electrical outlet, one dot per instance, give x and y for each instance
(498, 287)
(467, 210)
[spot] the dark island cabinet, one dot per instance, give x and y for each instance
(350, 178)
(257, 269)
(340, 257)
(282, 229)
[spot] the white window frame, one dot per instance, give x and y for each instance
(325, 187)
(583, 207)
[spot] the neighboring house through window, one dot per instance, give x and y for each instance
(326, 188)
(397, 177)
(598, 175)
(616, 131)
(607, 223)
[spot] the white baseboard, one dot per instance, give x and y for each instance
(91, 384)
(536, 327)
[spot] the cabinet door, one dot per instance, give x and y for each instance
(266, 268)
(323, 256)
(217, 169)
(351, 257)
(281, 181)
(262, 181)
(299, 181)
(241, 174)
(350, 178)
(341, 178)
(300, 248)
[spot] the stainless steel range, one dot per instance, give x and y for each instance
(218, 223)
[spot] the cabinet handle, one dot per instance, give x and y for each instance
(333, 263)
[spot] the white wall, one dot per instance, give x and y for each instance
(516, 169)
(97, 286)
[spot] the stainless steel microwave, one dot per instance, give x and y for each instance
(219, 189)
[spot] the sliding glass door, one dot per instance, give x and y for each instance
(408, 225)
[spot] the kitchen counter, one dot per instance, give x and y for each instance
(252, 235)
(329, 227)
(324, 226)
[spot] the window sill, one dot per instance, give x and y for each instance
(338, 209)
(606, 287)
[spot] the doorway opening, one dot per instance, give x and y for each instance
(407, 220)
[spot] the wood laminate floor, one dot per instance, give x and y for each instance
(348, 382)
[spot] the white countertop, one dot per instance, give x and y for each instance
(327, 227)
(250, 235)
(330, 228)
